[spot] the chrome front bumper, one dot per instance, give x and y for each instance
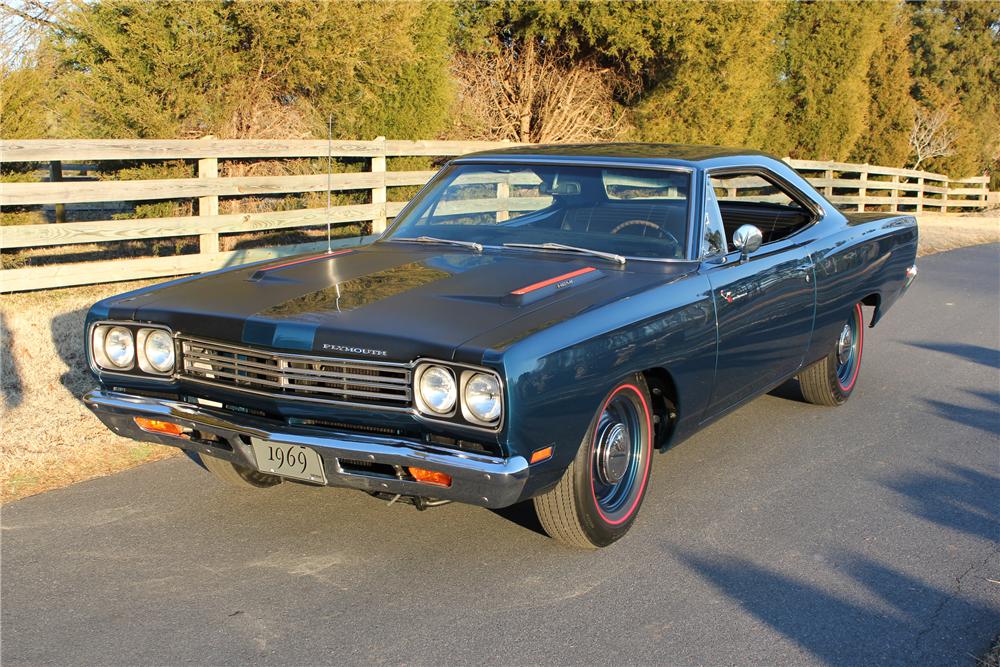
(476, 479)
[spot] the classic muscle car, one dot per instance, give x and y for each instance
(532, 325)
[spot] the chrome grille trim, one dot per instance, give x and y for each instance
(297, 376)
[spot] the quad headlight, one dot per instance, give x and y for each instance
(463, 394)
(437, 390)
(156, 351)
(122, 348)
(118, 347)
(482, 397)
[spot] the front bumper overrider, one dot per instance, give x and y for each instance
(477, 479)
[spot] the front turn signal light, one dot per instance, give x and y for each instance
(543, 454)
(430, 476)
(161, 427)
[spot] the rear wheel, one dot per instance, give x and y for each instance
(831, 380)
(598, 497)
(237, 475)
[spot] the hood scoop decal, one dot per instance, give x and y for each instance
(546, 288)
(260, 274)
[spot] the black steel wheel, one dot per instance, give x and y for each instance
(598, 498)
(831, 380)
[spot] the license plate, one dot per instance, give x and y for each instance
(286, 460)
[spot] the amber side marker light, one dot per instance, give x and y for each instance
(430, 477)
(543, 454)
(162, 427)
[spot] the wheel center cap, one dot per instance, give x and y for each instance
(613, 454)
(844, 344)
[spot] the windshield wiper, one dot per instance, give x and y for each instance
(478, 247)
(568, 248)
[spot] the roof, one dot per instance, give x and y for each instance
(673, 153)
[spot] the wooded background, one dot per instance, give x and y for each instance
(899, 84)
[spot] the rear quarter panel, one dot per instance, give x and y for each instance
(868, 257)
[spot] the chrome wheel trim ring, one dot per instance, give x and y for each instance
(845, 345)
(614, 453)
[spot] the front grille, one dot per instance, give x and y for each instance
(296, 376)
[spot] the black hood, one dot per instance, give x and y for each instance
(390, 301)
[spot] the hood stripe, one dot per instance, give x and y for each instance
(552, 281)
(258, 274)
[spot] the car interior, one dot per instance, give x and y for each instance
(593, 207)
(750, 199)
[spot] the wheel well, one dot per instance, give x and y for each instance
(666, 404)
(875, 301)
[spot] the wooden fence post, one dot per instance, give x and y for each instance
(379, 194)
(503, 192)
(56, 175)
(828, 190)
(895, 193)
(208, 206)
(920, 194)
(862, 189)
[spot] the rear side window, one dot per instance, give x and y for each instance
(753, 199)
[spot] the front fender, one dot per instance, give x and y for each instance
(558, 377)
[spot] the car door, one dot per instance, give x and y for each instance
(764, 304)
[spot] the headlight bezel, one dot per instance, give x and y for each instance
(139, 368)
(422, 405)
(142, 355)
(460, 415)
(468, 376)
(99, 347)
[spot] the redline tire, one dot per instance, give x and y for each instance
(831, 380)
(599, 496)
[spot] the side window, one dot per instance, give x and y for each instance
(713, 234)
(752, 199)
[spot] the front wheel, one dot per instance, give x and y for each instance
(598, 497)
(831, 380)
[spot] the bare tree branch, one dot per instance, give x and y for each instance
(931, 135)
(522, 92)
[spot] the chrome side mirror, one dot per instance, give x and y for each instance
(747, 239)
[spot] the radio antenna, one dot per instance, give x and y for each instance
(329, 177)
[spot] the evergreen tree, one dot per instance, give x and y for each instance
(956, 60)
(714, 77)
(177, 68)
(885, 141)
(828, 51)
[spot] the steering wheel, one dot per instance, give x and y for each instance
(646, 223)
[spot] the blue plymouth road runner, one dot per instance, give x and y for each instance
(532, 325)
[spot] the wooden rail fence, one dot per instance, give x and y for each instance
(850, 186)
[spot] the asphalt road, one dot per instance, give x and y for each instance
(786, 533)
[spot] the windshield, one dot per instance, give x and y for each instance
(630, 212)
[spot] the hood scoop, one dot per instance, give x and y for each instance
(543, 289)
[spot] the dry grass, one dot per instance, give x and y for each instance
(947, 232)
(992, 657)
(49, 439)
